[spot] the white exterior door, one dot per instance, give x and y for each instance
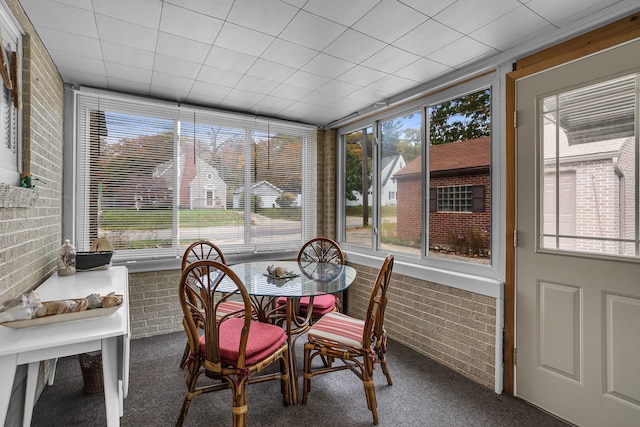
(578, 250)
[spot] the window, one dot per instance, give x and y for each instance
(454, 199)
(430, 201)
(154, 177)
(10, 154)
(589, 144)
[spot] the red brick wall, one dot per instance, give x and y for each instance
(441, 224)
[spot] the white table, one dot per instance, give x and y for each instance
(34, 344)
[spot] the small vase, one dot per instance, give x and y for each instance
(67, 259)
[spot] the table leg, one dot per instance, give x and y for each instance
(8, 365)
(293, 372)
(112, 396)
(30, 392)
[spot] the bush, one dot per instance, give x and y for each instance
(285, 199)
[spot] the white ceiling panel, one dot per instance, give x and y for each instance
(314, 61)
(139, 12)
(189, 24)
(389, 20)
(311, 31)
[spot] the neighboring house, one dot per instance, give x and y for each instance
(596, 182)
(459, 193)
(200, 184)
(390, 165)
(267, 192)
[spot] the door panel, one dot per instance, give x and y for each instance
(577, 260)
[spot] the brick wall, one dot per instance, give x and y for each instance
(154, 305)
(30, 237)
(453, 326)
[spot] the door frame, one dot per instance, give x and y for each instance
(602, 38)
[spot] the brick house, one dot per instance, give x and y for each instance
(459, 193)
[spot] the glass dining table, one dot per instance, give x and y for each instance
(305, 279)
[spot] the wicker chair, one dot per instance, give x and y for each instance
(325, 250)
(234, 349)
(204, 249)
(359, 344)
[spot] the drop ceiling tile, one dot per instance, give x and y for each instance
(269, 103)
(392, 84)
(182, 48)
(128, 86)
(423, 70)
(229, 60)
(462, 51)
(243, 40)
(510, 29)
(327, 65)
(127, 55)
(270, 71)
(214, 8)
(140, 12)
(306, 80)
(338, 88)
(192, 25)
(429, 8)
(301, 108)
(81, 63)
(354, 46)
(82, 4)
(458, 15)
(71, 43)
(427, 38)
(80, 77)
(558, 12)
(287, 53)
(125, 72)
(296, 3)
(159, 80)
(126, 34)
(265, 16)
(340, 11)
(168, 65)
(311, 31)
(219, 76)
(390, 59)
(361, 76)
(389, 20)
(367, 96)
(207, 94)
(244, 97)
(319, 98)
(256, 85)
(289, 92)
(55, 15)
(320, 115)
(169, 93)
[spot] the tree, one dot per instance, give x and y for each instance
(461, 119)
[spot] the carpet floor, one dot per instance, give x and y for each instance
(424, 393)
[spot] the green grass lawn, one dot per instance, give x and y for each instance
(154, 219)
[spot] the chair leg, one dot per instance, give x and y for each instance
(184, 410)
(306, 385)
(239, 409)
(184, 356)
(370, 393)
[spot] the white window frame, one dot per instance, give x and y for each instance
(168, 258)
(465, 275)
(10, 154)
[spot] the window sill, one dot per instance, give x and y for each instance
(17, 197)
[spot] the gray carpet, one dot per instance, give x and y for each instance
(424, 393)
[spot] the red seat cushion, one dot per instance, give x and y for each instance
(322, 304)
(264, 340)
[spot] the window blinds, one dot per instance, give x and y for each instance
(153, 177)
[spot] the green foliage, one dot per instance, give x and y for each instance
(461, 119)
(473, 241)
(153, 219)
